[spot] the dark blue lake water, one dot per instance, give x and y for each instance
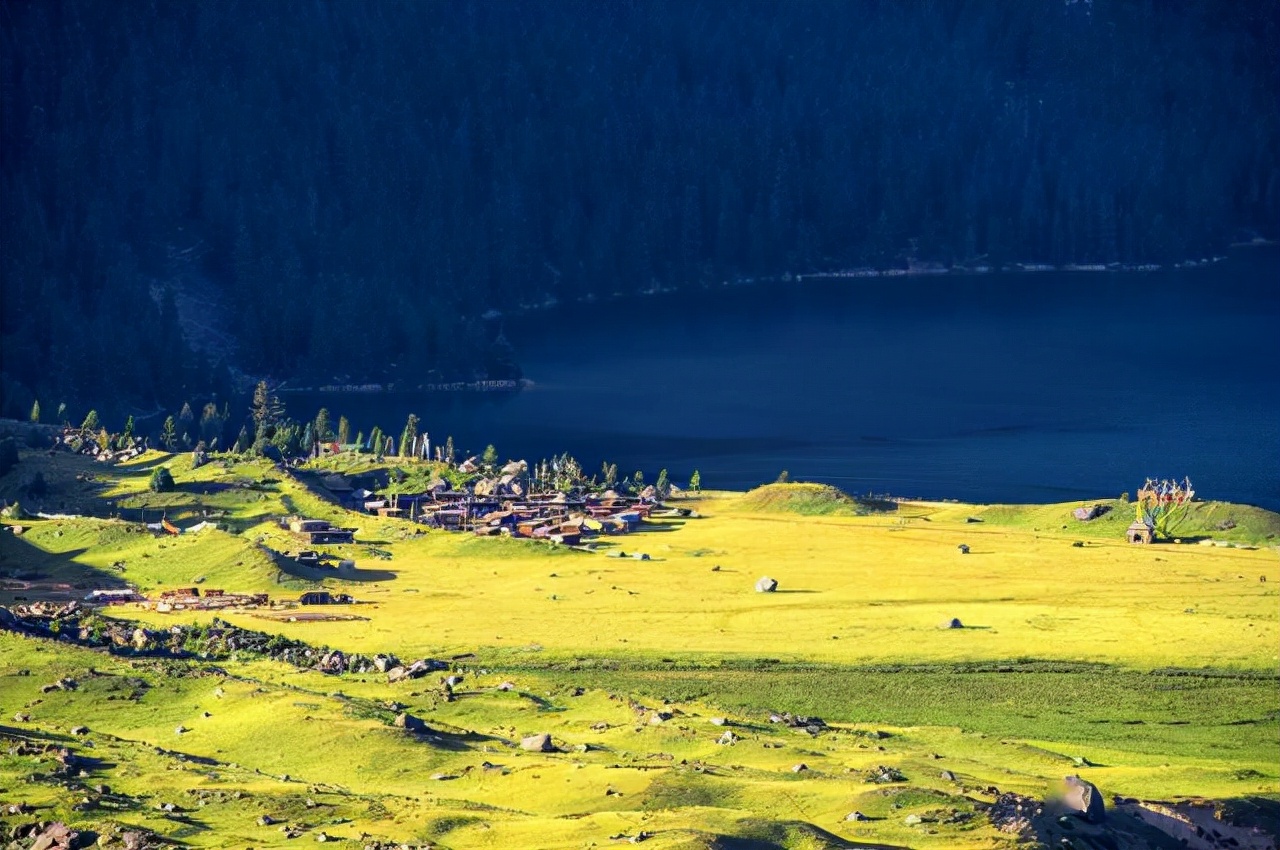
(1029, 387)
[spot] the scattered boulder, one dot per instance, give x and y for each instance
(766, 585)
(719, 721)
(948, 776)
(953, 623)
(266, 820)
(964, 548)
(1082, 798)
(1089, 512)
(912, 820)
(728, 738)
(538, 744)
(410, 723)
(56, 836)
(799, 768)
(855, 816)
(79, 730)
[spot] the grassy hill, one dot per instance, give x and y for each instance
(1149, 670)
(805, 499)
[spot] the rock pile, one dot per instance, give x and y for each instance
(219, 639)
(1012, 813)
(812, 725)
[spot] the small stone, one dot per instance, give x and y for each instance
(766, 585)
(719, 721)
(855, 816)
(799, 768)
(912, 820)
(266, 820)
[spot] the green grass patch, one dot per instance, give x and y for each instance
(802, 498)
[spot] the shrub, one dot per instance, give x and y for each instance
(161, 480)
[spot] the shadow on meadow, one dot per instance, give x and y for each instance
(30, 574)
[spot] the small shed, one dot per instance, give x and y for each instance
(1141, 531)
(332, 535)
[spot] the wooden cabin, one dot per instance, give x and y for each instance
(331, 535)
(303, 526)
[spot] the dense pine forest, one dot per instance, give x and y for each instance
(316, 190)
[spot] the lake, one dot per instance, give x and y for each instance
(1029, 387)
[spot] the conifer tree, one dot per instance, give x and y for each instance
(35, 411)
(267, 408)
(323, 430)
(344, 430)
(91, 422)
(409, 437)
(168, 434)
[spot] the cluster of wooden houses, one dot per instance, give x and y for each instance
(501, 506)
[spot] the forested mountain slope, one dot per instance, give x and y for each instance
(324, 189)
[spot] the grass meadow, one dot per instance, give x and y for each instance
(1152, 671)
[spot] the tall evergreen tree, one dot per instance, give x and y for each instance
(267, 409)
(323, 430)
(409, 437)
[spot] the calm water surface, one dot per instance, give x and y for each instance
(1031, 387)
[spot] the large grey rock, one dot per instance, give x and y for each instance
(766, 585)
(538, 744)
(1083, 799)
(410, 723)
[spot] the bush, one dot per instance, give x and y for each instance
(161, 480)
